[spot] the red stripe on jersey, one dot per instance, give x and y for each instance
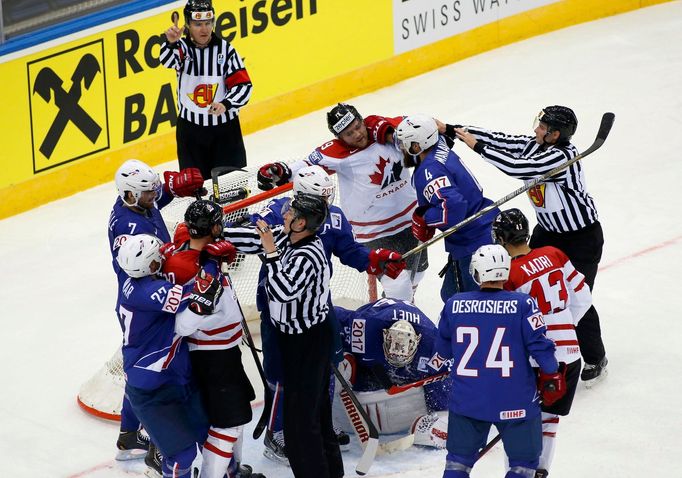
(220, 436)
(549, 434)
(565, 343)
(551, 420)
(580, 286)
(572, 275)
(237, 78)
(232, 339)
(221, 329)
(171, 354)
(384, 221)
(560, 327)
(212, 448)
(390, 229)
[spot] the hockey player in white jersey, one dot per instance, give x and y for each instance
(375, 190)
(563, 297)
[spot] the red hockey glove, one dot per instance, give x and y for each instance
(185, 183)
(380, 129)
(205, 294)
(167, 250)
(385, 261)
(273, 174)
(552, 386)
(420, 230)
(222, 249)
(181, 234)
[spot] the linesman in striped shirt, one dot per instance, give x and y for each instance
(213, 85)
(566, 213)
(297, 286)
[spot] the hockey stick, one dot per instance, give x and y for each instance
(362, 425)
(396, 389)
(604, 129)
(232, 195)
(235, 206)
(489, 446)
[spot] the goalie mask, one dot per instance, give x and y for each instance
(136, 177)
(417, 130)
(314, 181)
(140, 256)
(400, 343)
(490, 263)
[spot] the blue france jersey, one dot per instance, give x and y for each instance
(362, 333)
(490, 335)
(336, 234)
(450, 194)
(153, 354)
(123, 221)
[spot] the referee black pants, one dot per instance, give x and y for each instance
(309, 439)
(207, 147)
(584, 249)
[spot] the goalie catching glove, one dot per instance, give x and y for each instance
(273, 174)
(385, 261)
(185, 183)
(205, 294)
(552, 386)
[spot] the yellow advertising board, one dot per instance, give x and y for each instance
(74, 110)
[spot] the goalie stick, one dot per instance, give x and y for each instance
(230, 196)
(604, 129)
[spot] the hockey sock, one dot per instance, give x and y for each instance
(550, 424)
(218, 451)
(186, 464)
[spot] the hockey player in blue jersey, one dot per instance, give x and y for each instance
(490, 335)
(392, 342)
(337, 238)
(156, 359)
(447, 193)
(136, 211)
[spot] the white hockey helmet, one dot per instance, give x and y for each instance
(136, 177)
(400, 343)
(315, 181)
(138, 253)
(490, 263)
(420, 129)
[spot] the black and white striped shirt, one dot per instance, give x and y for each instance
(297, 283)
(561, 204)
(215, 73)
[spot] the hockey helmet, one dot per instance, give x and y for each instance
(420, 129)
(201, 216)
(137, 255)
(198, 10)
(313, 209)
(340, 117)
(490, 263)
(315, 181)
(400, 343)
(136, 177)
(558, 118)
(510, 227)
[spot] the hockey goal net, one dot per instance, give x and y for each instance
(102, 394)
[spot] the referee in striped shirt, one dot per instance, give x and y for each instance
(566, 214)
(297, 286)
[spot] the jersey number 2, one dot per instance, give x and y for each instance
(496, 349)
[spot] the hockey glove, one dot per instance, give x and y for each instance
(385, 261)
(222, 249)
(167, 250)
(552, 386)
(273, 174)
(420, 230)
(380, 128)
(185, 183)
(205, 294)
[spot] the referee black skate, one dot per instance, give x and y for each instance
(566, 213)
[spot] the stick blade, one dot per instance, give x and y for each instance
(367, 457)
(604, 129)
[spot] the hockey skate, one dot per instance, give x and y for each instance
(541, 473)
(246, 471)
(153, 460)
(131, 445)
(343, 438)
(593, 374)
(274, 447)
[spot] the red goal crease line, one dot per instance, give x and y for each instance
(643, 252)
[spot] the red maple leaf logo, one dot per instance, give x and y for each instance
(378, 176)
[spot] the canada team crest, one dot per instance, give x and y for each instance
(383, 176)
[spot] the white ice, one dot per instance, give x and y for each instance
(57, 288)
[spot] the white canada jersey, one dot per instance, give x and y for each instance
(376, 192)
(563, 296)
(218, 331)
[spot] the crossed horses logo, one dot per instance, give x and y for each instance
(68, 106)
